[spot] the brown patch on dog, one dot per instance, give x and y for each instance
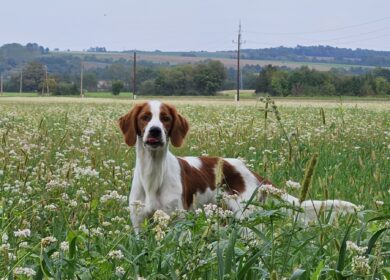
(131, 124)
(196, 180)
(232, 179)
(179, 125)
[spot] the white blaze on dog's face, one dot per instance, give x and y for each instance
(154, 123)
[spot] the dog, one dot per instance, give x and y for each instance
(165, 182)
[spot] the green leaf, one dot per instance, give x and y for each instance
(316, 274)
(229, 256)
(373, 239)
(386, 272)
(297, 274)
(220, 263)
(245, 269)
(342, 254)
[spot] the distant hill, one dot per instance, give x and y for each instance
(13, 56)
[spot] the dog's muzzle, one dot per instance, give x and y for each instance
(154, 137)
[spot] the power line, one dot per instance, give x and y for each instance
(321, 30)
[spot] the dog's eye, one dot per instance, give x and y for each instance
(166, 118)
(145, 118)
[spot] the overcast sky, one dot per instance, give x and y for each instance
(186, 25)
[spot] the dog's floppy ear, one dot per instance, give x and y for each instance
(128, 125)
(179, 129)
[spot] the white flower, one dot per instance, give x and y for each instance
(73, 203)
(4, 238)
(161, 217)
(87, 172)
(48, 240)
(355, 248)
(22, 233)
(51, 207)
(137, 205)
(379, 202)
(84, 229)
(119, 271)
(23, 244)
(269, 189)
(212, 210)
(115, 255)
(360, 265)
(64, 246)
(113, 195)
(293, 185)
(29, 272)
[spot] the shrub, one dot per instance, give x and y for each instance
(116, 87)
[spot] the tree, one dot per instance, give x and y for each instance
(382, 86)
(209, 77)
(33, 76)
(117, 86)
(90, 81)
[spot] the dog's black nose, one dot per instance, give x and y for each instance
(155, 131)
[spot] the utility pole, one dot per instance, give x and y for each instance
(81, 80)
(21, 81)
(1, 84)
(238, 62)
(134, 75)
(46, 81)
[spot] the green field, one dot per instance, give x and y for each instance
(65, 175)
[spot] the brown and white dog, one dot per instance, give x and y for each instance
(166, 182)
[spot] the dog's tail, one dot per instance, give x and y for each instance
(313, 208)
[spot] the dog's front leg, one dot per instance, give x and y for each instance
(137, 204)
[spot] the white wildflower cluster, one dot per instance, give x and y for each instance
(82, 193)
(22, 233)
(228, 197)
(379, 203)
(64, 246)
(137, 206)
(353, 247)
(269, 189)
(360, 265)
(97, 231)
(115, 255)
(51, 207)
(113, 195)
(56, 184)
(48, 241)
(212, 210)
(29, 272)
(119, 271)
(162, 219)
(85, 172)
(4, 243)
(84, 229)
(293, 185)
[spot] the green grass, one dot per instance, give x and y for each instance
(49, 153)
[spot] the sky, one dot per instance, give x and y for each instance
(195, 25)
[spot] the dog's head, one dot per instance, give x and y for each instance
(154, 123)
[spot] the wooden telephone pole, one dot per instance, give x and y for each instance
(134, 75)
(1, 84)
(21, 81)
(238, 62)
(81, 80)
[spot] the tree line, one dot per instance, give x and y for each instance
(310, 82)
(205, 78)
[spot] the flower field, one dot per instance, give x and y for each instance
(65, 175)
